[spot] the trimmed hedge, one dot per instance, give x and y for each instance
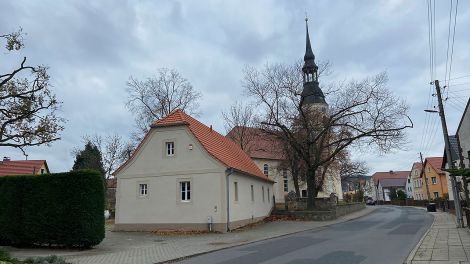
(61, 209)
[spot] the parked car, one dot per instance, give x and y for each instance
(370, 201)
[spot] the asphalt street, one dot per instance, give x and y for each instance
(385, 236)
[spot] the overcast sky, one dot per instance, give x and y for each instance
(92, 47)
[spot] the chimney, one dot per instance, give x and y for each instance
(211, 128)
(391, 172)
(6, 158)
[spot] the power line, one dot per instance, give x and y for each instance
(460, 77)
(453, 42)
(448, 40)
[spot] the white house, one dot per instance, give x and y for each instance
(186, 176)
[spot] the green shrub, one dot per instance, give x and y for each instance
(61, 209)
(4, 255)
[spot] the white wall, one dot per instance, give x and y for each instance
(245, 208)
(162, 174)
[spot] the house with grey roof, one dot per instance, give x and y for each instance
(385, 186)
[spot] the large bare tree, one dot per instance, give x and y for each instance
(28, 107)
(156, 97)
(239, 123)
(360, 113)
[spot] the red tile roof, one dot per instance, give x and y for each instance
(21, 167)
(390, 175)
(435, 162)
(218, 146)
(259, 144)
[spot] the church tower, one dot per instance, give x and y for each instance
(312, 96)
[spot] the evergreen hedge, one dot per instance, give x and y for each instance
(61, 209)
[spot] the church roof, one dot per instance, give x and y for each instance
(259, 144)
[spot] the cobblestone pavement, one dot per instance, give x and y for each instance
(444, 243)
(146, 248)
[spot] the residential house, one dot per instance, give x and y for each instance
(463, 136)
(418, 182)
(186, 176)
(409, 187)
(457, 161)
(383, 189)
(22, 167)
(385, 186)
(436, 178)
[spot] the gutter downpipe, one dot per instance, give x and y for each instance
(228, 172)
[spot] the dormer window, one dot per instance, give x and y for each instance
(266, 169)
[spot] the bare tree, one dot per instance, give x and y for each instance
(239, 124)
(114, 151)
(360, 113)
(156, 97)
(27, 105)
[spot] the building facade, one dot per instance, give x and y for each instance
(418, 182)
(186, 176)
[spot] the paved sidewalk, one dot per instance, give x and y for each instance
(146, 248)
(444, 243)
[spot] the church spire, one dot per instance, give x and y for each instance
(308, 47)
(311, 94)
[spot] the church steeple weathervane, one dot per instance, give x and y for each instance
(311, 94)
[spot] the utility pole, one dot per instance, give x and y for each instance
(425, 178)
(458, 210)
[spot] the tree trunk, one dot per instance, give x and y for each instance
(465, 188)
(311, 188)
(295, 179)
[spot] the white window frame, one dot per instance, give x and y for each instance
(262, 190)
(235, 191)
(266, 169)
(143, 189)
(285, 180)
(170, 148)
(185, 191)
(436, 194)
(434, 180)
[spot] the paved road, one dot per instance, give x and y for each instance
(385, 236)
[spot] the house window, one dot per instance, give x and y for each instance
(262, 191)
(433, 180)
(185, 187)
(286, 182)
(266, 169)
(436, 195)
(304, 193)
(252, 194)
(170, 148)
(143, 189)
(269, 197)
(429, 169)
(235, 187)
(409, 181)
(42, 171)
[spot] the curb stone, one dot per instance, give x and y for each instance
(263, 239)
